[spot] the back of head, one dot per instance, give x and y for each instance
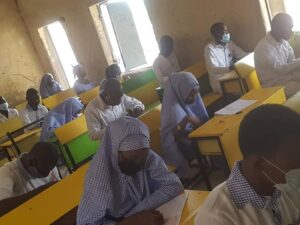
(266, 128)
(113, 87)
(45, 153)
(79, 71)
(113, 71)
(281, 26)
(217, 29)
(166, 45)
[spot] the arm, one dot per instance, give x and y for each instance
(95, 124)
(238, 53)
(132, 103)
(168, 185)
(211, 60)
(210, 218)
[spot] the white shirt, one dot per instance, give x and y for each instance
(99, 114)
(218, 59)
(15, 180)
(28, 115)
(163, 67)
(81, 88)
(276, 65)
(236, 203)
(12, 113)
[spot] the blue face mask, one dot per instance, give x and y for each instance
(292, 178)
(225, 38)
(4, 106)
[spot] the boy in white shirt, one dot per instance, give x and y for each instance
(166, 63)
(263, 188)
(220, 55)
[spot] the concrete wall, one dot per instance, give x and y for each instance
(189, 23)
(20, 67)
(80, 27)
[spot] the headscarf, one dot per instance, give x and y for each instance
(109, 194)
(174, 110)
(46, 90)
(60, 115)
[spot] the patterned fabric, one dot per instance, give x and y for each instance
(110, 195)
(274, 207)
(46, 90)
(241, 191)
(60, 115)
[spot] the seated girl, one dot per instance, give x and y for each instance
(82, 84)
(60, 115)
(126, 180)
(182, 112)
(49, 86)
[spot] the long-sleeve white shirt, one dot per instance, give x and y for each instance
(163, 67)
(276, 65)
(29, 116)
(218, 59)
(99, 114)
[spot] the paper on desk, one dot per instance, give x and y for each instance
(172, 210)
(235, 107)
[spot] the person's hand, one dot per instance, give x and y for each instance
(136, 112)
(149, 217)
(194, 121)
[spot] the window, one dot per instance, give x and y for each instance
(292, 8)
(130, 33)
(59, 50)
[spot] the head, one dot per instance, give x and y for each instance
(40, 160)
(79, 71)
(269, 139)
(113, 72)
(3, 104)
(220, 33)
(112, 92)
(49, 79)
(281, 26)
(134, 145)
(33, 98)
(166, 45)
(190, 99)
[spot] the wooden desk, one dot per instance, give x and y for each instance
(56, 201)
(219, 136)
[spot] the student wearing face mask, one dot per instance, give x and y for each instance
(5, 112)
(49, 86)
(220, 55)
(126, 180)
(264, 187)
(82, 84)
(182, 112)
(29, 171)
(108, 106)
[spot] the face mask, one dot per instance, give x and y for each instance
(4, 106)
(292, 178)
(34, 172)
(226, 38)
(129, 168)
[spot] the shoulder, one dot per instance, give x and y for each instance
(210, 46)
(8, 171)
(13, 112)
(93, 105)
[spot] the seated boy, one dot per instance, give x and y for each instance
(263, 188)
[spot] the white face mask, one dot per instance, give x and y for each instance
(4, 106)
(292, 178)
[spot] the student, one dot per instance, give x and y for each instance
(108, 106)
(220, 55)
(275, 59)
(126, 181)
(182, 111)
(29, 171)
(33, 110)
(264, 187)
(60, 115)
(112, 72)
(82, 84)
(49, 86)
(5, 112)
(166, 63)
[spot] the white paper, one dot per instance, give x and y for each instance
(172, 210)
(235, 107)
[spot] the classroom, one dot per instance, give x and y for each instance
(149, 112)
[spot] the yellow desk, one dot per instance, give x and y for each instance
(219, 136)
(56, 201)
